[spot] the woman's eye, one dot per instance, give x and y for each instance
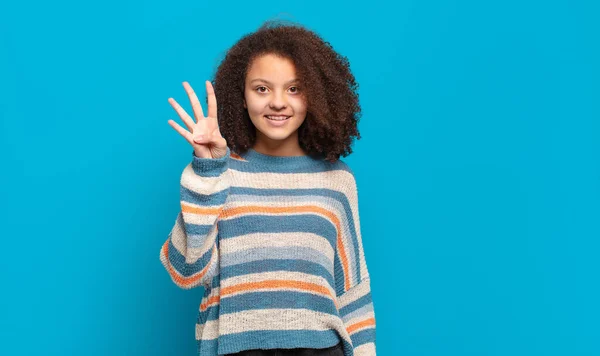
(259, 89)
(296, 89)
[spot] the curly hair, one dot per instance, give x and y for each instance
(333, 109)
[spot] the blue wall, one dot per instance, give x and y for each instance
(478, 170)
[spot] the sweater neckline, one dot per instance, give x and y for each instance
(291, 162)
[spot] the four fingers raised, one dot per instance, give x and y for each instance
(205, 129)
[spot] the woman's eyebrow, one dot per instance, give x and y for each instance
(266, 81)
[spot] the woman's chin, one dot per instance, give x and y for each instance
(275, 134)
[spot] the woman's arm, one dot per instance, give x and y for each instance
(353, 287)
(190, 253)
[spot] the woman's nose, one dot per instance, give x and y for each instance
(278, 100)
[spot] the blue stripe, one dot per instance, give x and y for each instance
(216, 280)
(276, 253)
(208, 347)
(190, 196)
(177, 260)
(193, 229)
(305, 167)
(211, 313)
(360, 302)
(197, 234)
(249, 224)
(277, 265)
(363, 336)
(277, 300)
(339, 275)
(210, 167)
(196, 241)
(358, 312)
(272, 339)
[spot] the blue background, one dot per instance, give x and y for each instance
(478, 170)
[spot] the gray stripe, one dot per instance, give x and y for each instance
(360, 311)
(263, 253)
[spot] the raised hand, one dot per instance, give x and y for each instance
(204, 134)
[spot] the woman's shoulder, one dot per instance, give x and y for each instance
(339, 165)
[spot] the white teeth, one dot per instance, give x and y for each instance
(277, 118)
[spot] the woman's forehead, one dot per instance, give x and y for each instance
(272, 69)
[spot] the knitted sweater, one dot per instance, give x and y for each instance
(276, 243)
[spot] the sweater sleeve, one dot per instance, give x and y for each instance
(190, 253)
(353, 287)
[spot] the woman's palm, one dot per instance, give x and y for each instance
(204, 134)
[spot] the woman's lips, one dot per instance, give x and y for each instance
(277, 120)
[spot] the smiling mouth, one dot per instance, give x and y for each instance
(277, 117)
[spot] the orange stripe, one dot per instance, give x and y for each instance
(276, 283)
(210, 301)
(228, 213)
(236, 156)
(199, 210)
(186, 281)
(361, 324)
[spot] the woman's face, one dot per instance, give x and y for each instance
(275, 103)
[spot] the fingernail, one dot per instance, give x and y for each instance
(199, 138)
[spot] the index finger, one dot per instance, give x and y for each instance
(212, 100)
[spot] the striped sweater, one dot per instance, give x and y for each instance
(276, 243)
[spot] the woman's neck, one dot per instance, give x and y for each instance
(285, 148)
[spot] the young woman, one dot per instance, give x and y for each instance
(269, 220)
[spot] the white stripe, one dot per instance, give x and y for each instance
(208, 331)
(273, 275)
(204, 185)
(367, 349)
(354, 293)
(199, 219)
(278, 319)
(279, 239)
(179, 238)
(337, 180)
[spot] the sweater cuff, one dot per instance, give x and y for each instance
(210, 167)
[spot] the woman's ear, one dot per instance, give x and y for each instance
(245, 106)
